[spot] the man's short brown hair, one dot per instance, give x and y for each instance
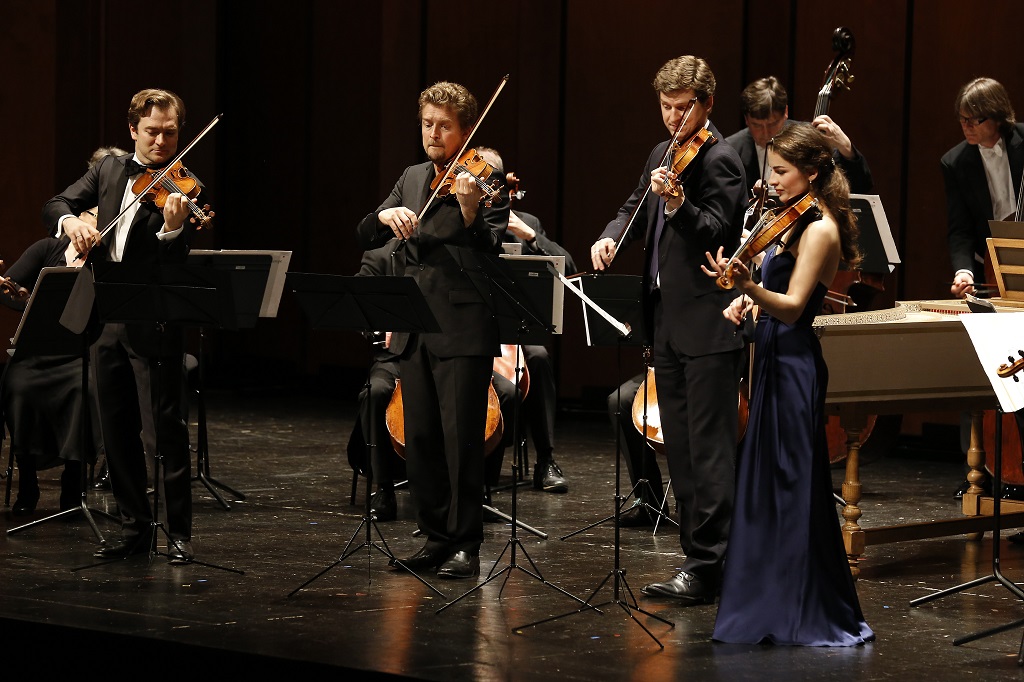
(764, 97)
(144, 100)
(453, 96)
(686, 73)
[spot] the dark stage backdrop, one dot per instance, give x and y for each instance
(319, 103)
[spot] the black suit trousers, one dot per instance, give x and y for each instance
(135, 394)
(445, 402)
(697, 398)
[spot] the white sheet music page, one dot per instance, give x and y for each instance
(998, 340)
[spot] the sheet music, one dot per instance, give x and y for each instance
(882, 225)
(557, 295)
(997, 340)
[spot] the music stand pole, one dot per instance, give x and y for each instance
(620, 587)
(51, 292)
(492, 271)
(202, 437)
(364, 304)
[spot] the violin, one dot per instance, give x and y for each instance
(471, 162)
(770, 229)
(683, 155)
(11, 289)
(177, 179)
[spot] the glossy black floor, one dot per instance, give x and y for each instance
(286, 456)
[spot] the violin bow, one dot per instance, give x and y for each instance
(664, 160)
(465, 145)
(159, 176)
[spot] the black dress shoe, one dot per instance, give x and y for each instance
(427, 559)
(637, 517)
(548, 477)
(986, 486)
(103, 480)
(685, 587)
(384, 506)
(24, 505)
(125, 548)
(180, 552)
(462, 565)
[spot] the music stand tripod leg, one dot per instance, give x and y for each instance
(618, 574)
(368, 521)
(85, 445)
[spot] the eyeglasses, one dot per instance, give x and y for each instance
(971, 121)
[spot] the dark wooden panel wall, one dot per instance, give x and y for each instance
(320, 117)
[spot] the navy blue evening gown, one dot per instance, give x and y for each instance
(786, 577)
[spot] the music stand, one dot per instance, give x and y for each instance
(257, 281)
(990, 336)
(621, 297)
(364, 304)
(604, 326)
(521, 294)
(175, 295)
(40, 333)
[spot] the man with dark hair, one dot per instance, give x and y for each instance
(139, 367)
(696, 350)
(444, 375)
(765, 107)
(982, 176)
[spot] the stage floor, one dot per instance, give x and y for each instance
(287, 455)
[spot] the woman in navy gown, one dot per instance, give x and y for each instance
(786, 577)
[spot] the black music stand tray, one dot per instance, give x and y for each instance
(364, 304)
(175, 295)
(620, 296)
(40, 333)
(602, 332)
(520, 294)
(249, 274)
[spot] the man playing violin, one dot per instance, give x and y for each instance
(696, 351)
(445, 375)
(765, 107)
(139, 367)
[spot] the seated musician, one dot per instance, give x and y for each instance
(41, 397)
(982, 176)
(539, 405)
(765, 107)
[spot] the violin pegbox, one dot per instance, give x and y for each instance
(1013, 367)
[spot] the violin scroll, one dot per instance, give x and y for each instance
(1012, 367)
(12, 289)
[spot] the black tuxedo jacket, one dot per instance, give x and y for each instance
(968, 202)
(856, 169)
(103, 186)
(468, 326)
(709, 218)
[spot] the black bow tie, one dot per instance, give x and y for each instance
(131, 169)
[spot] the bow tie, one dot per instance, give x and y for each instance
(131, 169)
